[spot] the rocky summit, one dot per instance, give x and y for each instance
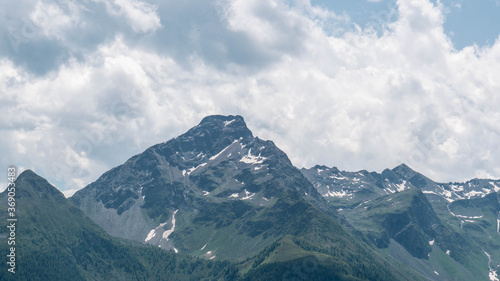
(218, 203)
(163, 196)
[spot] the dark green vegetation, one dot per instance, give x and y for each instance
(408, 218)
(448, 229)
(56, 241)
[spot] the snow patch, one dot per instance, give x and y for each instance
(226, 123)
(400, 187)
(259, 167)
(495, 187)
(474, 193)
(338, 194)
(463, 217)
(251, 159)
(210, 255)
(338, 178)
(429, 192)
(151, 234)
(493, 273)
(498, 226)
(222, 151)
(447, 193)
(190, 170)
(248, 194)
(167, 233)
(390, 190)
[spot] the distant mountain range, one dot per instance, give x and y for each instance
(225, 205)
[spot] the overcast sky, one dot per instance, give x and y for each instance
(85, 85)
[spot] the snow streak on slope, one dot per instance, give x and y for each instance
(167, 233)
(498, 223)
(152, 233)
(493, 273)
(222, 151)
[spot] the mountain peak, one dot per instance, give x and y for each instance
(36, 186)
(214, 133)
(28, 173)
(228, 125)
(221, 118)
(404, 170)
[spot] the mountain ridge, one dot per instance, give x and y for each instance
(218, 192)
(58, 242)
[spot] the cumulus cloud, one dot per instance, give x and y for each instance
(140, 15)
(357, 100)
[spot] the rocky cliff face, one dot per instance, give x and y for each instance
(212, 179)
(405, 207)
(218, 192)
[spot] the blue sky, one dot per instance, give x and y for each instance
(85, 85)
(467, 22)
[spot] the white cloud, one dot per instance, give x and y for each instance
(68, 193)
(356, 100)
(140, 15)
(53, 21)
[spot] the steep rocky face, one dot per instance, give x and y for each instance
(406, 217)
(354, 187)
(447, 218)
(351, 188)
(217, 166)
(480, 219)
(56, 241)
(218, 192)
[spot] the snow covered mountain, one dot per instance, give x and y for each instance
(461, 219)
(355, 186)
